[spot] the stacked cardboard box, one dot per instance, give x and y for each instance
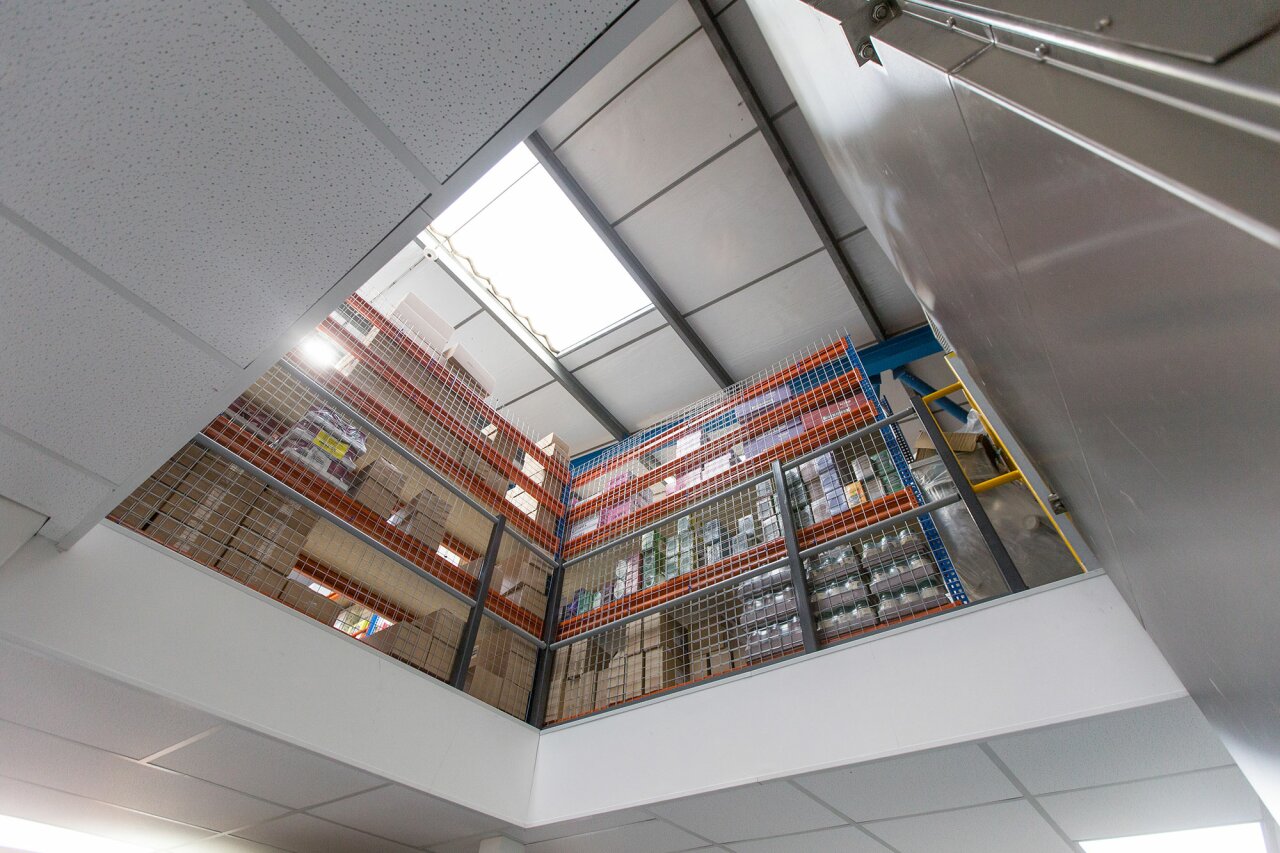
(204, 501)
(299, 595)
(714, 639)
(501, 671)
(378, 486)
(657, 650)
(425, 516)
(586, 660)
(524, 583)
(430, 643)
(272, 532)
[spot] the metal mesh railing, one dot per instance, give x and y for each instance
(501, 669)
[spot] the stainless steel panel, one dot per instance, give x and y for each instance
(1201, 31)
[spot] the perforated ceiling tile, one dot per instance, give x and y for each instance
(47, 485)
(731, 222)
(442, 76)
(651, 836)
(647, 379)
(90, 365)
(679, 114)
(844, 839)
(184, 150)
(768, 321)
(676, 24)
(303, 833)
(893, 301)
(406, 816)
(1012, 827)
(752, 811)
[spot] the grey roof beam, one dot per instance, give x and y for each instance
(570, 186)
(737, 72)
(494, 307)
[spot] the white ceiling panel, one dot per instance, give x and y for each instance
(1171, 737)
(553, 409)
(670, 29)
(125, 720)
(185, 151)
(759, 326)
(228, 844)
(267, 768)
(679, 114)
(733, 221)
(650, 836)
(45, 484)
(803, 145)
(1012, 827)
(46, 805)
(754, 811)
(647, 379)
(563, 829)
(843, 839)
(894, 303)
(650, 321)
(753, 52)
(123, 373)
(407, 816)
(17, 525)
(303, 833)
(433, 286)
(931, 781)
(42, 759)
(1188, 801)
(514, 370)
(443, 97)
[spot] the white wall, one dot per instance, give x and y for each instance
(1059, 653)
(17, 525)
(121, 606)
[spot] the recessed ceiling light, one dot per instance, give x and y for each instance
(1236, 838)
(19, 834)
(319, 352)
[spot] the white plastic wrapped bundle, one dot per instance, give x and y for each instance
(327, 444)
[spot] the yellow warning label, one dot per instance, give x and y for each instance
(329, 444)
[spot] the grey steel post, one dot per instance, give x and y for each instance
(542, 673)
(459, 677)
(804, 611)
(1012, 578)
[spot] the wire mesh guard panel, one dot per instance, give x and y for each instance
(720, 540)
(281, 427)
(849, 487)
(518, 586)
(729, 628)
(209, 510)
(501, 669)
(724, 439)
(430, 403)
(878, 580)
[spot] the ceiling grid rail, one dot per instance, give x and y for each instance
(786, 161)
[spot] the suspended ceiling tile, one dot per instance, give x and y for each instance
(430, 71)
(55, 763)
(1012, 827)
(45, 805)
(890, 297)
(929, 781)
(651, 836)
(752, 811)
(48, 485)
(91, 366)
(407, 816)
(303, 833)
(753, 52)
(1187, 801)
(125, 720)
(581, 826)
(669, 30)
(772, 319)
(261, 767)
(228, 844)
(433, 286)
(647, 379)
(680, 113)
(842, 839)
(646, 323)
(832, 202)
(1171, 737)
(553, 409)
(185, 151)
(515, 372)
(733, 221)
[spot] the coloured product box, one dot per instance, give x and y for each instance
(834, 410)
(767, 440)
(874, 489)
(760, 402)
(306, 600)
(862, 468)
(251, 573)
(855, 494)
(327, 443)
(688, 443)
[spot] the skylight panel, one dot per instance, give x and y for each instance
(523, 234)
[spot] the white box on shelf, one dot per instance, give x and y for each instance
(417, 317)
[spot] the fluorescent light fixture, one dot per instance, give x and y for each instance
(19, 834)
(525, 236)
(1236, 838)
(319, 352)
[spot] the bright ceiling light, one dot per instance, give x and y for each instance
(1237, 838)
(319, 352)
(19, 834)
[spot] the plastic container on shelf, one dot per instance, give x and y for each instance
(847, 620)
(900, 573)
(912, 599)
(767, 582)
(831, 565)
(773, 607)
(772, 640)
(847, 593)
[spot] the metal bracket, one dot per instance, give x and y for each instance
(860, 20)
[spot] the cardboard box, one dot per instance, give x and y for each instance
(185, 540)
(612, 689)
(378, 486)
(515, 698)
(430, 643)
(142, 504)
(251, 573)
(425, 516)
(485, 685)
(633, 675)
(580, 694)
(305, 600)
(213, 499)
